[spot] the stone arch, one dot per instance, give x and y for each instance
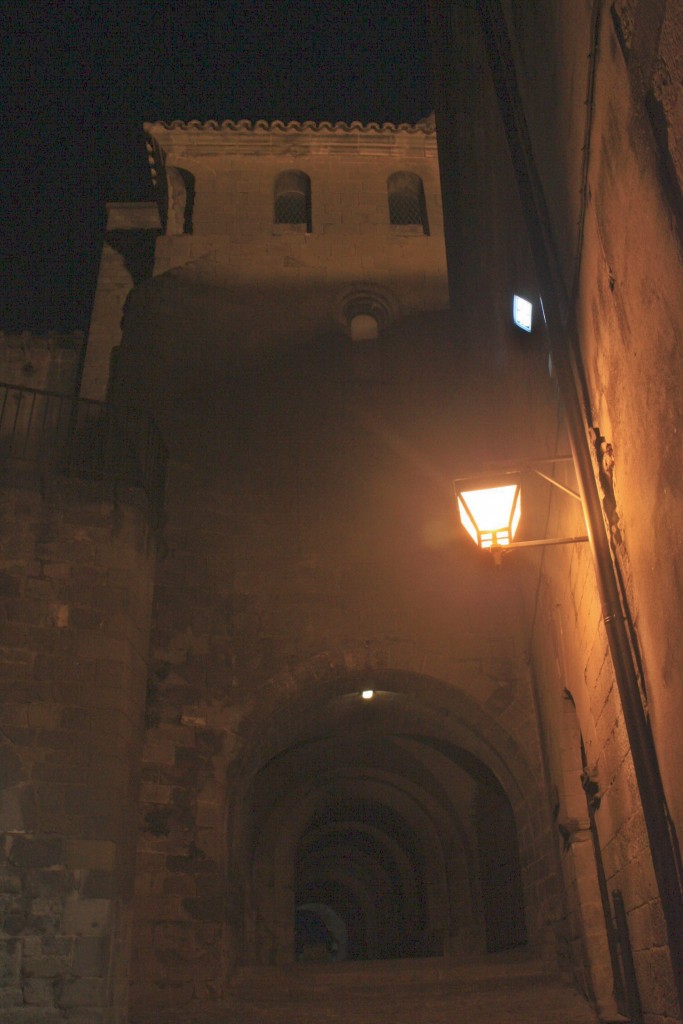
(366, 299)
(297, 706)
(278, 841)
(290, 701)
(406, 196)
(292, 199)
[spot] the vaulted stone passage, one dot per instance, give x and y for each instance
(369, 833)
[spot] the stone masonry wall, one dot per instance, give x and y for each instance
(310, 519)
(268, 286)
(571, 654)
(601, 104)
(75, 596)
(316, 529)
(621, 256)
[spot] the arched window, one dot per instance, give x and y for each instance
(180, 189)
(407, 200)
(293, 199)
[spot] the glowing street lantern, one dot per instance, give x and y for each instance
(489, 514)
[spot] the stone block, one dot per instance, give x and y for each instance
(29, 611)
(92, 645)
(39, 992)
(161, 908)
(44, 716)
(83, 992)
(32, 1015)
(640, 926)
(46, 912)
(11, 767)
(93, 1015)
(655, 978)
(205, 908)
(87, 917)
(36, 852)
(9, 585)
(10, 996)
(10, 961)
(176, 885)
(32, 945)
(10, 881)
(46, 967)
(17, 809)
(56, 570)
(90, 957)
(86, 618)
(164, 993)
(101, 884)
(43, 589)
(155, 793)
(48, 882)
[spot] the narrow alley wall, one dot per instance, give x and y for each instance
(601, 102)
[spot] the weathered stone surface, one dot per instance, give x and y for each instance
(35, 852)
(10, 961)
(33, 1015)
(311, 552)
(433, 991)
(39, 992)
(75, 726)
(87, 917)
(90, 957)
(82, 992)
(10, 997)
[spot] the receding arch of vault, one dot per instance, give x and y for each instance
(335, 924)
(319, 853)
(363, 926)
(285, 781)
(322, 699)
(279, 835)
(370, 886)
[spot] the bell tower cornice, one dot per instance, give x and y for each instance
(174, 141)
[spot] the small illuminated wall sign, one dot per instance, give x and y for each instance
(521, 312)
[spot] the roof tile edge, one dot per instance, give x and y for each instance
(426, 126)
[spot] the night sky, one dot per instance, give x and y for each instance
(81, 78)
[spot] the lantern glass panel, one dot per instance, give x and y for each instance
(490, 514)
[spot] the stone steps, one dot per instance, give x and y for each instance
(380, 975)
(500, 989)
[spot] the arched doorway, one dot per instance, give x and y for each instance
(377, 815)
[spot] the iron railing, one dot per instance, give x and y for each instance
(83, 438)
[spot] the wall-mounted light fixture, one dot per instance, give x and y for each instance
(490, 509)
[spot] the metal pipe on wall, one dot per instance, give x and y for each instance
(571, 382)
